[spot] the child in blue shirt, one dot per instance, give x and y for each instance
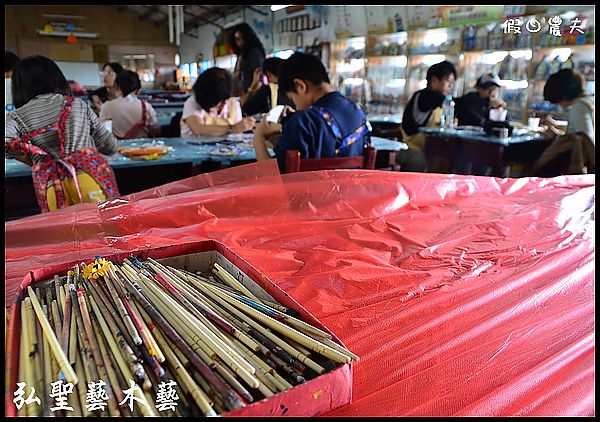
(326, 124)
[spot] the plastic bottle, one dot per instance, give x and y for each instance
(481, 39)
(399, 23)
(447, 118)
(469, 43)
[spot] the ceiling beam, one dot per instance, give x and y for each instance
(151, 10)
(197, 19)
(254, 9)
(202, 19)
(213, 11)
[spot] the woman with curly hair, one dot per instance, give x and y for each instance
(250, 53)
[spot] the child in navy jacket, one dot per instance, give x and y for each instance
(326, 124)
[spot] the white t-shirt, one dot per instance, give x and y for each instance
(230, 114)
(126, 112)
(581, 118)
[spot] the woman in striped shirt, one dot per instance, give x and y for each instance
(59, 136)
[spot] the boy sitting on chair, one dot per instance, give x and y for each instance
(326, 124)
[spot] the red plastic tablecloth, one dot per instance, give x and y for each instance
(462, 295)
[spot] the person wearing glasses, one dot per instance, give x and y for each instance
(131, 117)
(109, 75)
(424, 109)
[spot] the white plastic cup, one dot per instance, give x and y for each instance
(533, 122)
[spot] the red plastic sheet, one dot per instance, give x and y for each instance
(462, 295)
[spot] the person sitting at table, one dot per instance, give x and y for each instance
(97, 98)
(211, 110)
(424, 109)
(261, 98)
(109, 75)
(131, 117)
(571, 152)
(59, 136)
(473, 108)
(326, 125)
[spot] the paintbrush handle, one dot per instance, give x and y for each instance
(61, 358)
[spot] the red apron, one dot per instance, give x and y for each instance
(140, 124)
(49, 171)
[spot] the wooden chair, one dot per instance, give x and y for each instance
(294, 164)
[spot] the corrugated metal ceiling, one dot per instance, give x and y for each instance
(194, 14)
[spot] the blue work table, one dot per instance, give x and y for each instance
(189, 157)
(194, 150)
(395, 119)
(519, 135)
(386, 125)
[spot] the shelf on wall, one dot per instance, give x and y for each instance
(531, 110)
(460, 58)
(444, 53)
(387, 56)
(384, 100)
(553, 47)
(399, 34)
(488, 51)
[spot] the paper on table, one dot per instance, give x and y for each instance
(498, 114)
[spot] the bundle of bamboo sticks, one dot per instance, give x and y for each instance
(152, 323)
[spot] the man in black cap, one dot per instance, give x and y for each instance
(473, 109)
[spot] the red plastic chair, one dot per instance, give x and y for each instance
(294, 164)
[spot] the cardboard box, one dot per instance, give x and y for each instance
(315, 397)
